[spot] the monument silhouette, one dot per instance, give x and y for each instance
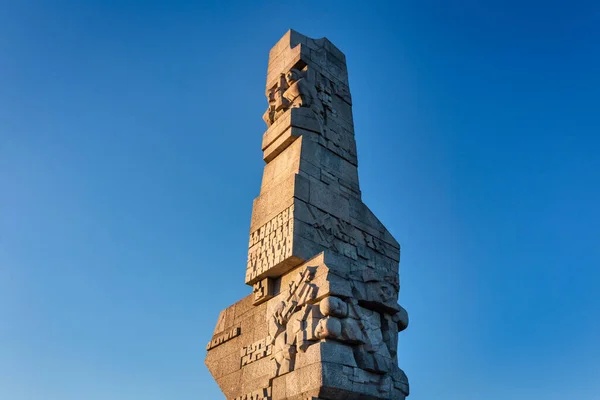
(322, 322)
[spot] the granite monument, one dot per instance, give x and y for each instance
(323, 318)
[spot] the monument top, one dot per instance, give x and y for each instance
(295, 50)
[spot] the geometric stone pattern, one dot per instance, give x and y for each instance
(323, 318)
(223, 337)
(271, 243)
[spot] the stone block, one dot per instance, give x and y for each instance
(329, 201)
(310, 169)
(224, 366)
(272, 203)
(279, 387)
(287, 163)
(302, 119)
(231, 384)
(330, 162)
(272, 253)
(242, 307)
(335, 352)
(225, 320)
(310, 377)
(263, 290)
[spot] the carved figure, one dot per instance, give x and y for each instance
(277, 103)
(288, 322)
(293, 90)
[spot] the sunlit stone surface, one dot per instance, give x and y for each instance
(322, 322)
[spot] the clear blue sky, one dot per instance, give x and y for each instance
(130, 154)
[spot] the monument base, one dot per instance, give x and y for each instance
(319, 335)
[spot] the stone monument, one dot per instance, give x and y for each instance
(323, 318)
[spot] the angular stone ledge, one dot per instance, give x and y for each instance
(291, 125)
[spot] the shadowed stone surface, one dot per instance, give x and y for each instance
(323, 318)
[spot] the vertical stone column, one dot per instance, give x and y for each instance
(323, 319)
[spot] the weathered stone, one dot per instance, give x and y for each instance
(263, 290)
(322, 322)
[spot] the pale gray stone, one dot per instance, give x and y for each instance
(323, 318)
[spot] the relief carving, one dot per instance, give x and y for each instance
(263, 290)
(349, 240)
(223, 337)
(381, 290)
(270, 244)
(255, 351)
(370, 326)
(260, 394)
(289, 321)
(294, 89)
(297, 324)
(334, 233)
(372, 335)
(384, 383)
(330, 228)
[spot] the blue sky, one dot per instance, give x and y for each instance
(130, 154)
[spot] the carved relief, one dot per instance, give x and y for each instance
(300, 87)
(260, 394)
(263, 290)
(385, 383)
(372, 335)
(334, 233)
(301, 91)
(348, 322)
(270, 244)
(297, 324)
(374, 243)
(224, 337)
(381, 289)
(294, 89)
(330, 228)
(349, 240)
(341, 141)
(289, 321)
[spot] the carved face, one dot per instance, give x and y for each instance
(387, 292)
(271, 95)
(383, 292)
(333, 306)
(292, 76)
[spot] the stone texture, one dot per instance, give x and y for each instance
(323, 318)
